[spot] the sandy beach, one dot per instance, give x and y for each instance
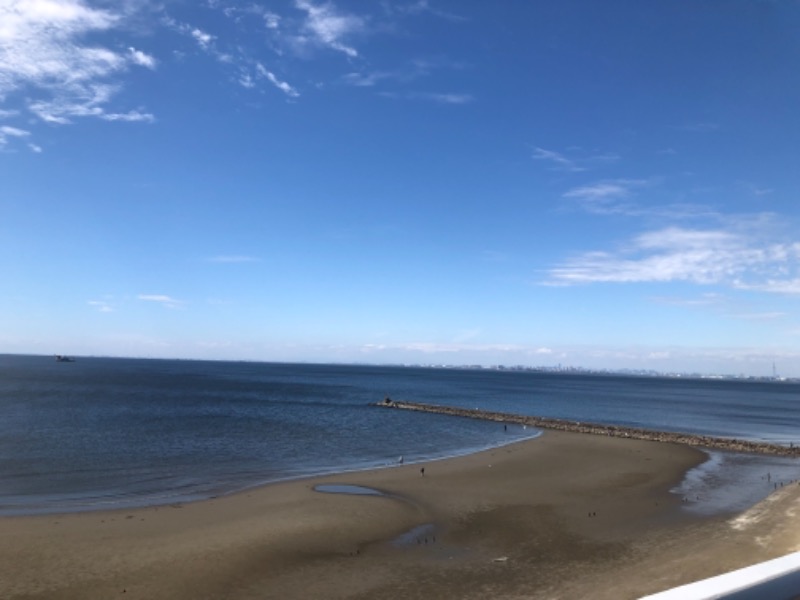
(564, 516)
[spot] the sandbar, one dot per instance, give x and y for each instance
(566, 515)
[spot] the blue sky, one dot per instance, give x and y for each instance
(598, 184)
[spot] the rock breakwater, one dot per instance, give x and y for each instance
(702, 441)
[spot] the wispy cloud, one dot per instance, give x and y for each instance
(411, 71)
(44, 54)
(576, 161)
(133, 116)
(140, 58)
(281, 85)
(165, 301)
(757, 190)
(205, 41)
(246, 80)
(616, 188)
(448, 98)
(621, 197)
(696, 256)
(66, 61)
(455, 347)
(367, 79)
(57, 63)
(326, 26)
(90, 101)
(773, 286)
(709, 299)
(608, 196)
(101, 306)
(425, 7)
(7, 132)
(557, 160)
(438, 98)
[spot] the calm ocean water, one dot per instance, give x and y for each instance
(105, 433)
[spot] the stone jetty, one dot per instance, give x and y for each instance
(702, 441)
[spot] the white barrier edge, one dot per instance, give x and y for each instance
(777, 576)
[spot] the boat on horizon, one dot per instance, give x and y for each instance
(63, 358)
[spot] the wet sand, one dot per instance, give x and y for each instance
(563, 516)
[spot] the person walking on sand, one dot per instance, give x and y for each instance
(422, 472)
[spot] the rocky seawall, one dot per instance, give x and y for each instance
(702, 441)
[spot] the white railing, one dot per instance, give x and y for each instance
(777, 579)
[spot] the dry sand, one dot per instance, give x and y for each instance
(564, 516)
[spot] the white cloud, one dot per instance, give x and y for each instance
(761, 191)
(271, 20)
(579, 160)
(618, 188)
(133, 116)
(413, 70)
(44, 54)
(773, 286)
(704, 300)
(327, 27)
(165, 301)
(202, 38)
(140, 58)
(7, 132)
(281, 85)
(617, 197)
(696, 256)
(13, 131)
(449, 348)
(365, 79)
(101, 306)
(449, 98)
(558, 161)
(246, 81)
(90, 101)
(431, 97)
(423, 7)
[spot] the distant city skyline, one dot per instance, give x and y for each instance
(602, 185)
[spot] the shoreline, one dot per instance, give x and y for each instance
(563, 515)
(584, 427)
(164, 498)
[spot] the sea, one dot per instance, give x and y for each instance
(105, 433)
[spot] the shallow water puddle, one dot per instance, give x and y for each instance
(343, 488)
(420, 534)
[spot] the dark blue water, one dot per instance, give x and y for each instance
(103, 432)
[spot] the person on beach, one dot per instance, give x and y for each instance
(422, 472)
